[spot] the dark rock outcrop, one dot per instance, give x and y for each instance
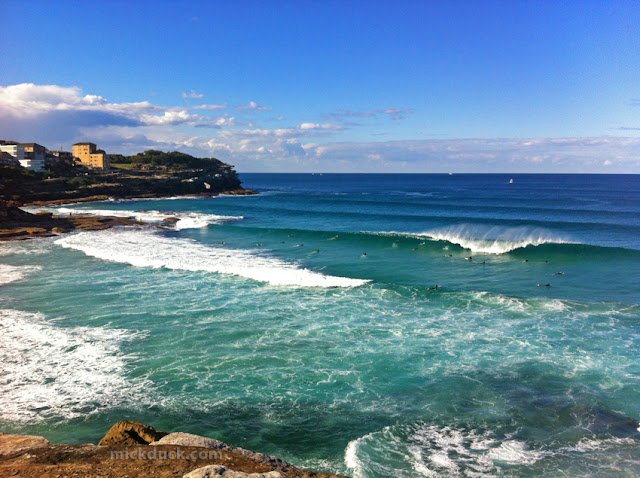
(130, 433)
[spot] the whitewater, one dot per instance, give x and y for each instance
(305, 322)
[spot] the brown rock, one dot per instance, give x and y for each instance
(14, 443)
(59, 230)
(128, 433)
(171, 219)
(212, 471)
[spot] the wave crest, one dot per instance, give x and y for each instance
(494, 239)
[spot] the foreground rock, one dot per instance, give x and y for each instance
(128, 433)
(213, 471)
(122, 455)
(187, 439)
(12, 444)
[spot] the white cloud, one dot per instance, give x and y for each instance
(209, 107)
(393, 113)
(68, 108)
(316, 126)
(53, 115)
(192, 94)
(253, 106)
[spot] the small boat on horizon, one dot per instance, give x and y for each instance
(510, 181)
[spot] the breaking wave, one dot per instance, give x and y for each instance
(151, 249)
(494, 239)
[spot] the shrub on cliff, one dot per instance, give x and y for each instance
(174, 160)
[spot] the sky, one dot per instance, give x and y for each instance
(331, 86)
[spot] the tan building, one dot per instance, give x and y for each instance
(89, 155)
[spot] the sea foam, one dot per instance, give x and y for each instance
(10, 274)
(432, 450)
(63, 372)
(144, 248)
(186, 220)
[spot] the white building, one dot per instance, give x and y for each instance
(30, 155)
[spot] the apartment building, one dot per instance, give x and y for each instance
(29, 155)
(89, 155)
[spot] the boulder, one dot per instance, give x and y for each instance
(171, 219)
(128, 433)
(213, 471)
(59, 230)
(187, 439)
(16, 443)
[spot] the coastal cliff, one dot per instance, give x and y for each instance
(122, 184)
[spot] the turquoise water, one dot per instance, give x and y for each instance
(261, 322)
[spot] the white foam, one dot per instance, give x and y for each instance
(351, 459)
(50, 371)
(144, 248)
(14, 273)
(186, 220)
(494, 239)
(432, 450)
(515, 452)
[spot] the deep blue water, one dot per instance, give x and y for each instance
(304, 322)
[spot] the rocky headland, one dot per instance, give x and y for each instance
(136, 450)
(151, 174)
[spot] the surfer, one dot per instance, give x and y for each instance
(449, 255)
(526, 260)
(414, 249)
(290, 235)
(334, 237)
(470, 258)
(436, 287)
(559, 273)
(363, 254)
(258, 244)
(545, 285)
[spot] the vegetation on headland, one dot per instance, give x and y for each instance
(171, 161)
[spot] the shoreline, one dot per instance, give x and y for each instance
(18, 225)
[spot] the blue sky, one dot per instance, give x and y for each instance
(350, 86)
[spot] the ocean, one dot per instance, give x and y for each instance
(305, 322)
